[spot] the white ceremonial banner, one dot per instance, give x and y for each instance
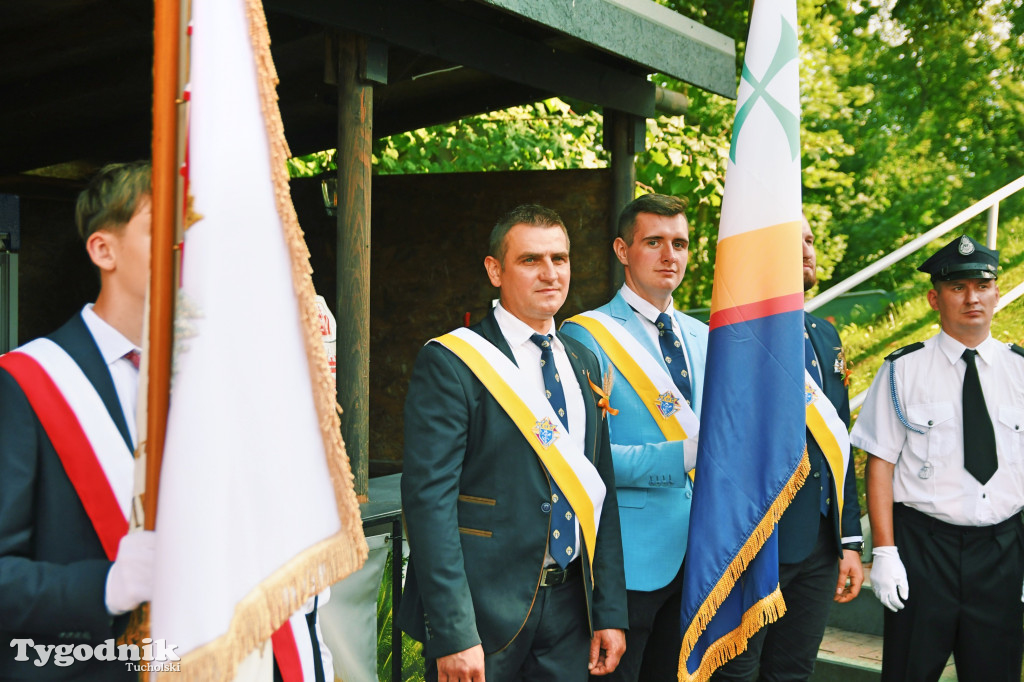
(256, 510)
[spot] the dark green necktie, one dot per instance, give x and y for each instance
(979, 436)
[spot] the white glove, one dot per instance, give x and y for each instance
(130, 580)
(690, 453)
(889, 577)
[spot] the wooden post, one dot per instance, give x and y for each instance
(618, 135)
(355, 128)
(166, 206)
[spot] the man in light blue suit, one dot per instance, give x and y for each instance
(652, 363)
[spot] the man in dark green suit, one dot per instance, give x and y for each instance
(491, 588)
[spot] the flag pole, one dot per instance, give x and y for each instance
(166, 99)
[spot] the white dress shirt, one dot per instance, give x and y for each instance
(113, 347)
(929, 453)
(527, 354)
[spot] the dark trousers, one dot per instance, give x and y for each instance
(654, 636)
(787, 648)
(554, 644)
(965, 591)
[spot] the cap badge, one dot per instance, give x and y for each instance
(966, 247)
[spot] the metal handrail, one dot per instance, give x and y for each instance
(991, 202)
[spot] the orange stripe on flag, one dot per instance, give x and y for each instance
(758, 265)
(753, 311)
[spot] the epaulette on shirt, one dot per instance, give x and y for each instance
(900, 352)
(1016, 349)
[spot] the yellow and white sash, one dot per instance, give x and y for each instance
(533, 415)
(645, 374)
(829, 432)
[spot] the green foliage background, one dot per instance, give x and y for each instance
(911, 111)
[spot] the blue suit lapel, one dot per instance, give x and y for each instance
(75, 339)
(826, 358)
(627, 317)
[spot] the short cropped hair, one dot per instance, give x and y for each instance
(110, 199)
(658, 204)
(526, 214)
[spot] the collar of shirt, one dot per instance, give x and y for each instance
(644, 307)
(518, 333)
(954, 350)
(649, 313)
(112, 344)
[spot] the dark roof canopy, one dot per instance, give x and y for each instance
(76, 75)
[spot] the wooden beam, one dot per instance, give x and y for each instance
(355, 137)
(438, 30)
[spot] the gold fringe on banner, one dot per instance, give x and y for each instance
(324, 394)
(267, 607)
(765, 611)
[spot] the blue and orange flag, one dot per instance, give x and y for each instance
(751, 461)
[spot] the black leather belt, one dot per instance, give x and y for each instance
(555, 575)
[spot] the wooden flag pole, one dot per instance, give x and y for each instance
(166, 99)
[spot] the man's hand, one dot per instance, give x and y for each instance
(130, 580)
(849, 569)
(606, 648)
(462, 666)
(889, 577)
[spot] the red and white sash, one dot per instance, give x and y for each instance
(90, 446)
(293, 646)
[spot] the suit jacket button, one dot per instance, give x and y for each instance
(689, 494)
(545, 507)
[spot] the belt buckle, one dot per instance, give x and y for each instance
(552, 576)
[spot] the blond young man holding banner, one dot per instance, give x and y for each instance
(69, 573)
(652, 364)
(819, 534)
(515, 569)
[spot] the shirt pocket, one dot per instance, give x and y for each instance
(940, 433)
(1010, 433)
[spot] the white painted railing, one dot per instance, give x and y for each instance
(989, 203)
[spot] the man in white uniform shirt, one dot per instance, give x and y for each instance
(944, 427)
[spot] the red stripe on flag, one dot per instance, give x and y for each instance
(73, 447)
(286, 653)
(753, 311)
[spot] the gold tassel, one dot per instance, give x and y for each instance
(765, 611)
